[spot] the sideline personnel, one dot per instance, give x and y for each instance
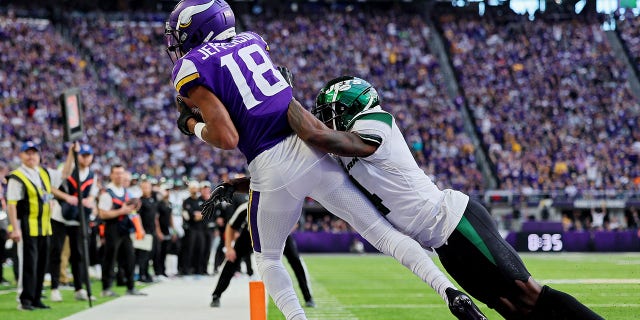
(30, 191)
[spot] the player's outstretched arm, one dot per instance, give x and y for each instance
(218, 129)
(314, 132)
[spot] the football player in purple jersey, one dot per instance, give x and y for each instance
(243, 102)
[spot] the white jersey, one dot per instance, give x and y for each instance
(417, 207)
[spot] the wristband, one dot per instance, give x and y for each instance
(197, 130)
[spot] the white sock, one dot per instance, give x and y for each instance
(408, 252)
(279, 286)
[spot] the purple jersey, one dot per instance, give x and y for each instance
(240, 73)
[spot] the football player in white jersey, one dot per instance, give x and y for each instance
(372, 150)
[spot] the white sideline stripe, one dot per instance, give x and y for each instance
(590, 281)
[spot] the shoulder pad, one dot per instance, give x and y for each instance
(184, 72)
(381, 116)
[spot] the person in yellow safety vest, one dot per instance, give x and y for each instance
(30, 190)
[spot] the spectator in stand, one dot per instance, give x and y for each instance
(633, 219)
(598, 217)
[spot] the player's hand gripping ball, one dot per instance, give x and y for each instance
(186, 113)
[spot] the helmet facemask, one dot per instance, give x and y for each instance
(331, 113)
(174, 44)
(340, 100)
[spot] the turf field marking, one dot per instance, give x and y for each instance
(328, 307)
(590, 281)
(437, 306)
(614, 305)
(403, 306)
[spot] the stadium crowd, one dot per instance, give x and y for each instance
(551, 103)
(391, 48)
(146, 140)
(416, 84)
(629, 31)
(498, 68)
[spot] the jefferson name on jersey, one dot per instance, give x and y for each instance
(210, 48)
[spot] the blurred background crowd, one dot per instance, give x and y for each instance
(550, 101)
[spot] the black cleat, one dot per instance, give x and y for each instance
(135, 292)
(26, 307)
(215, 302)
(40, 305)
(462, 306)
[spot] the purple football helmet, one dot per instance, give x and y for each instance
(193, 22)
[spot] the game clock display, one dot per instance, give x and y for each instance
(539, 242)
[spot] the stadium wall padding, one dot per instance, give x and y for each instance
(585, 241)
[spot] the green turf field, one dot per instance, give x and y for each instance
(376, 287)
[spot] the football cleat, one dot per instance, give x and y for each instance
(215, 302)
(462, 306)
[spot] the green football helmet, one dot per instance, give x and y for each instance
(341, 99)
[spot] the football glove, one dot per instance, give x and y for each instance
(185, 115)
(222, 192)
(286, 73)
